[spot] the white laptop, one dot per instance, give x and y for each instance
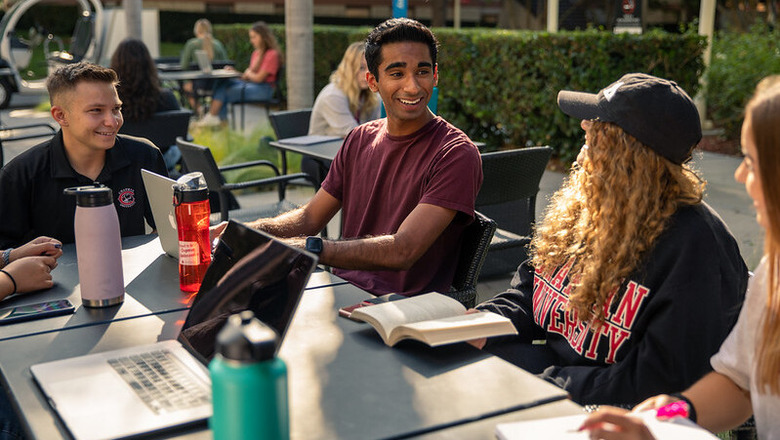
(159, 190)
(107, 395)
(204, 62)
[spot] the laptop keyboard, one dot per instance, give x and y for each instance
(161, 381)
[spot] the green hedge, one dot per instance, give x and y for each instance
(739, 61)
(500, 86)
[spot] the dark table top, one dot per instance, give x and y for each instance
(151, 286)
(343, 381)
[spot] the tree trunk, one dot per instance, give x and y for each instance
(133, 10)
(438, 13)
(299, 67)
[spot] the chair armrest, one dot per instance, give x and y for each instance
(253, 163)
(266, 181)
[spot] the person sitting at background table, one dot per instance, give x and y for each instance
(86, 150)
(28, 267)
(140, 91)
(633, 281)
(256, 82)
(405, 184)
(746, 379)
(342, 105)
(205, 41)
(346, 101)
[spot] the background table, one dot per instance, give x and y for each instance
(343, 381)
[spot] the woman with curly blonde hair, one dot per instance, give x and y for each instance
(746, 379)
(633, 281)
(346, 101)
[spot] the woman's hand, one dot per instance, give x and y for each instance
(610, 423)
(29, 274)
(40, 246)
(655, 402)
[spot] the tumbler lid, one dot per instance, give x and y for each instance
(189, 188)
(90, 195)
(244, 338)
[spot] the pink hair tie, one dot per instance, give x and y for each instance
(674, 409)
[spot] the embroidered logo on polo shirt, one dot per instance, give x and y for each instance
(126, 198)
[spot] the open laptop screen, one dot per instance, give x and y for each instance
(250, 271)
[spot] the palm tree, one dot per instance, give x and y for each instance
(298, 21)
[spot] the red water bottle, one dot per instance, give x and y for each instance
(191, 199)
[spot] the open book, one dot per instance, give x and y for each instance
(562, 428)
(432, 318)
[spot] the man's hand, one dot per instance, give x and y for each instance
(216, 231)
(479, 343)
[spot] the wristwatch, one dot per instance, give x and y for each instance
(314, 245)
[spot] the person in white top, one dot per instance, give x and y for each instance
(746, 376)
(346, 101)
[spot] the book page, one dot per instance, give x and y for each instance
(454, 329)
(565, 428)
(385, 317)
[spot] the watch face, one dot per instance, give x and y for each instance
(314, 244)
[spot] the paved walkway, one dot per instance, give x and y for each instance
(725, 195)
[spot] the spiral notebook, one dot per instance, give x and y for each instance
(115, 394)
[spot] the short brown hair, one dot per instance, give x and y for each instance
(66, 78)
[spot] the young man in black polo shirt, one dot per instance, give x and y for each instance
(86, 150)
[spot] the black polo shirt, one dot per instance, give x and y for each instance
(31, 199)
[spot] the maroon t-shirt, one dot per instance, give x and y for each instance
(380, 179)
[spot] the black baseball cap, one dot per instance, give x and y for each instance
(656, 111)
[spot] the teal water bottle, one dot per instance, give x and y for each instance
(249, 383)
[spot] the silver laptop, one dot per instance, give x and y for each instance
(114, 394)
(204, 62)
(159, 190)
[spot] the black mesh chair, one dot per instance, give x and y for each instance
(293, 123)
(508, 196)
(162, 128)
(199, 158)
(474, 248)
(22, 132)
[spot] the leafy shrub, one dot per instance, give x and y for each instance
(739, 61)
(500, 86)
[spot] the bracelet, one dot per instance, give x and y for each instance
(12, 279)
(7, 256)
(691, 408)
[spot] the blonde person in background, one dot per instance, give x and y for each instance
(746, 379)
(204, 41)
(342, 105)
(346, 101)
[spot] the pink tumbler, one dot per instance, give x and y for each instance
(98, 246)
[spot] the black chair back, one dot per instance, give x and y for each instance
(473, 250)
(290, 123)
(508, 196)
(162, 128)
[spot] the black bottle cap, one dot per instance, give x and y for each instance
(245, 339)
(90, 195)
(189, 188)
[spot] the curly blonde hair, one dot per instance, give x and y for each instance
(608, 214)
(344, 78)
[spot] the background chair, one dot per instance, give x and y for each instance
(508, 195)
(199, 158)
(276, 100)
(22, 132)
(162, 128)
(294, 123)
(474, 248)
